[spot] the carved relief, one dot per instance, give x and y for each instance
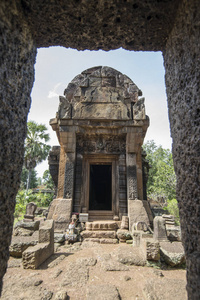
(69, 179)
(139, 110)
(131, 176)
(101, 144)
(132, 183)
(64, 109)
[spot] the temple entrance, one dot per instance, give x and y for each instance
(100, 190)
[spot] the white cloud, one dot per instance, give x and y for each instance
(53, 93)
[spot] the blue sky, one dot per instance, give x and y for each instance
(56, 66)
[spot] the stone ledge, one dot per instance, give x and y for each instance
(101, 225)
(98, 234)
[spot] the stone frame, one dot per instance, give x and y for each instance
(29, 25)
(110, 159)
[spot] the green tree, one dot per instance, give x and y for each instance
(36, 149)
(162, 180)
(47, 180)
(172, 208)
(33, 183)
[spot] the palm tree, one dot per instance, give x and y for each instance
(36, 149)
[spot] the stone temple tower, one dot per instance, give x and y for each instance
(100, 125)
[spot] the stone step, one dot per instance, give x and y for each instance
(95, 215)
(171, 222)
(101, 225)
(101, 240)
(98, 234)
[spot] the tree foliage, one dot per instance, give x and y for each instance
(161, 180)
(47, 180)
(172, 208)
(36, 149)
(25, 196)
(33, 178)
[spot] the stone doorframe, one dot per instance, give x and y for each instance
(100, 159)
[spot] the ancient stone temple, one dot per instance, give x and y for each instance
(98, 169)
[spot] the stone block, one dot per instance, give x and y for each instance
(103, 226)
(159, 233)
(59, 237)
(112, 226)
(92, 240)
(22, 228)
(46, 232)
(34, 225)
(22, 232)
(151, 249)
(174, 233)
(109, 241)
(34, 256)
(98, 234)
(172, 253)
(60, 211)
(129, 242)
(123, 235)
(88, 225)
(83, 217)
(125, 222)
(18, 247)
(137, 212)
(96, 226)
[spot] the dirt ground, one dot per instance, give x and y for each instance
(92, 272)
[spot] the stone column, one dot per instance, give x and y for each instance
(136, 209)
(61, 208)
(131, 176)
(61, 173)
(139, 175)
(68, 188)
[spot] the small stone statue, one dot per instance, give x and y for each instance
(70, 235)
(30, 212)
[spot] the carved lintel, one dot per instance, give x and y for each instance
(101, 144)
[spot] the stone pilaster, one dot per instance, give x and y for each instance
(136, 208)
(61, 208)
(131, 176)
(69, 176)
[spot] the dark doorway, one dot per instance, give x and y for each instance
(100, 187)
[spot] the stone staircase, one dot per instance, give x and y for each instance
(169, 220)
(103, 232)
(173, 231)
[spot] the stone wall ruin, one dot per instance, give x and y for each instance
(168, 26)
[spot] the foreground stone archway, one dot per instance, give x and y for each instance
(169, 26)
